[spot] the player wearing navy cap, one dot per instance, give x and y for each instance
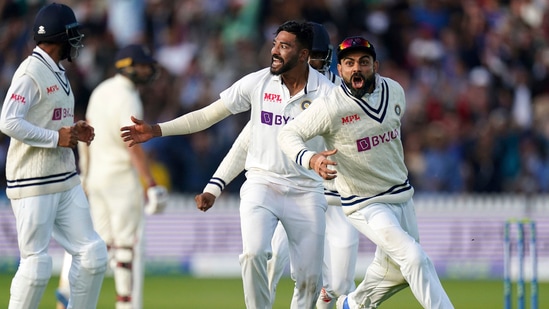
(112, 172)
(43, 185)
(360, 122)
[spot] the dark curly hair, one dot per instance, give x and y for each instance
(303, 32)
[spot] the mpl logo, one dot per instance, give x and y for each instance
(52, 89)
(272, 97)
(18, 98)
(271, 119)
(350, 119)
(369, 142)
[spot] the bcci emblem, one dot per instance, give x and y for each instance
(397, 110)
(305, 104)
(41, 30)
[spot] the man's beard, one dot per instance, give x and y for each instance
(66, 52)
(69, 52)
(285, 66)
(360, 92)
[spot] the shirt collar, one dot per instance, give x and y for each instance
(56, 67)
(312, 80)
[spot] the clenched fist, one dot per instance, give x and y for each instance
(80, 131)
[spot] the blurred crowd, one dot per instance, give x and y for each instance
(475, 73)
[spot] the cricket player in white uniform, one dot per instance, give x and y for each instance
(113, 173)
(341, 245)
(276, 189)
(43, 185)
(360, 123)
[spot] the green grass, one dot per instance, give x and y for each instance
(167, 292)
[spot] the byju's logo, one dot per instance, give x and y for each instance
(367, 143)
(60, 113)
(57, 114)
(271, 119)
(363, 144)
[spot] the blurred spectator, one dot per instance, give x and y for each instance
(126, 21)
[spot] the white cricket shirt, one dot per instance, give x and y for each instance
(110, 106)
(272, 108)
(38, 103)
(366, 132)
(234, 162)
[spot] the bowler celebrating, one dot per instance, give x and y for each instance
(360, 123)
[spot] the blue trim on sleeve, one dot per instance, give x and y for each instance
(218, 182)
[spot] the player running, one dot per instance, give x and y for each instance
(360, 122)
(341, 244)
(276, 189)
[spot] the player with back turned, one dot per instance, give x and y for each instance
(341, 244)
(113, 173)
(360, 123)
(276, 189)
(43, 185)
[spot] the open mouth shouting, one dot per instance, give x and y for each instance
(357, 81)
(276, 62)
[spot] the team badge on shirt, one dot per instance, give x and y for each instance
(398, 110)
(305, 104)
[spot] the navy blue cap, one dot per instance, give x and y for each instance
(321, 38)
(55, 23)
(133, 54)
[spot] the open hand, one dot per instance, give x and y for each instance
(320, 164)
(140, 132)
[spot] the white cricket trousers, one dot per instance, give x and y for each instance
(302, 213)
(340, 254)
(399, 258)
(66, 217)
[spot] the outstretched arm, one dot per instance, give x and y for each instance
(189, 123)
(231, 166)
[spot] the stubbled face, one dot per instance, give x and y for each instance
(358, 69)
(285, 53)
